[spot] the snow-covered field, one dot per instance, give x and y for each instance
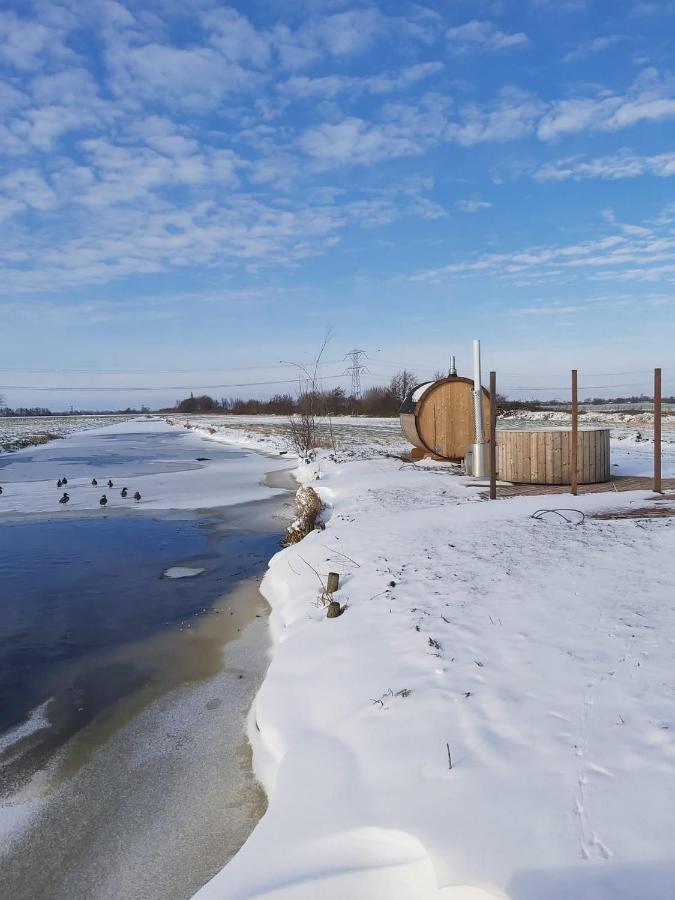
(23, 431)
(491, 716)
(358, 436)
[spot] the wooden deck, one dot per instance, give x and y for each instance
(616, 483)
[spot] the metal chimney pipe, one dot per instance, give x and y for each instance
(452, 373)
(479, 450)
(477, 404)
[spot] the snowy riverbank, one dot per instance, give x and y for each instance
(124, 769)
(492, 714)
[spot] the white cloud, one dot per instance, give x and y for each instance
(330, 86)
(653, 9)
(234, 36)
(650, 98)
(513, 115)
(128, 241)
(483, 36)
(176, 146)
(42, 126)
(341, 34)
(564, 6)
(381, 207)
(632, 252)
(72, 86)
(194, 78)
(27, 43)
(10, 98)
(617, 166)
(122, 174)
(583, 51)
(349, 33)
(25, 189)
(473, 205)
(355, 141)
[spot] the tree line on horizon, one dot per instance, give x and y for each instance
(374, 401)
(384, 401)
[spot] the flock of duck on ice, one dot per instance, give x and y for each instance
(65, 498)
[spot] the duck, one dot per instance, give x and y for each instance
(0, 488)
(59, 483)
(137, 496)
(123, 492)
(110, 484)
(64, 499)
(94, 482)
(103, 500)
(64, 481)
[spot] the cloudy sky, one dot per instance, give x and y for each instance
(201, 186)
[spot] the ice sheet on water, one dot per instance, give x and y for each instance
(183, 572)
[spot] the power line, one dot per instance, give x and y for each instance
(584, 387)
(173, 387)
(644, 372)
(63, 371)
(25, 370)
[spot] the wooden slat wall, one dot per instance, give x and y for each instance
(565, 460)
(542, 457)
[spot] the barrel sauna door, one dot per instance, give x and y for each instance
(444, 417)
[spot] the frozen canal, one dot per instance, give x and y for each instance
(124, 770)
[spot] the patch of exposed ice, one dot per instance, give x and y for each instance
(182, 572)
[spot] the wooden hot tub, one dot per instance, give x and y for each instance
(543, 457)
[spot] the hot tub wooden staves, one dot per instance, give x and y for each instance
(543, 457)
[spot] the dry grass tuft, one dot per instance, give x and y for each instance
(308, 507)
(648, 512)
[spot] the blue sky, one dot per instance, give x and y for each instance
(210, 186)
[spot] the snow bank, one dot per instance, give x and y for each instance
(492, 716)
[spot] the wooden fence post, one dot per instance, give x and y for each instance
(493, 436)
(657, 431)
(575, 433)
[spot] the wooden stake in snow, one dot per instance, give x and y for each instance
(493, 436)
(657, 431)
(575, 435)
(333, 582)
(334, 610)
(447, 747)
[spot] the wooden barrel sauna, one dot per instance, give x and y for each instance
(437, 417)
(543, 457)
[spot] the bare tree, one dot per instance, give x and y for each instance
(303, 427)
(402, 383)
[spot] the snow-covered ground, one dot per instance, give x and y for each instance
(22, 431)
(358, 436)
(490, 717)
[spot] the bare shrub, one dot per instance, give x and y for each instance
(302, 425)
(302, 430)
